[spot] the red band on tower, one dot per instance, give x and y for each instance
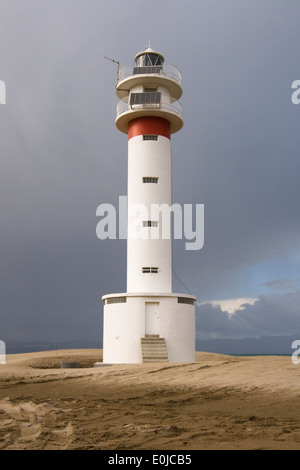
(150, 125)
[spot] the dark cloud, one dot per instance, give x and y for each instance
(283, 285)
(61, 156)
(272, 315)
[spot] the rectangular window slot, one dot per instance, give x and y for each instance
(185, 300)
(150, 179)
(149, 270)
(150, 137)
(116, 300)
(150, 90)
(150, 223)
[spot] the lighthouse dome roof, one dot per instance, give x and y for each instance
(149, 55)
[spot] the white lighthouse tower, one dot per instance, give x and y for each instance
(149, 322)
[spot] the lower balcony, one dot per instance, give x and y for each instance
(127, 111)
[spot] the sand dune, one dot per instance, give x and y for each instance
(218, 402)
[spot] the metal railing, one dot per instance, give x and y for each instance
(168, 70)
(174, 108)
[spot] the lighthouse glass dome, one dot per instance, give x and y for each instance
(149, 59)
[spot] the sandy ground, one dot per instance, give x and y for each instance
(218, 402)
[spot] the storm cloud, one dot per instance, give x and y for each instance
(270, 315)
(61, 156)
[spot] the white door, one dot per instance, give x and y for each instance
(152, 318)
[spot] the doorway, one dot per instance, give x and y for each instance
(152, 318)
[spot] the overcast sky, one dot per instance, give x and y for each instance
(62, 156)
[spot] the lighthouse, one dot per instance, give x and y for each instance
(148, 322)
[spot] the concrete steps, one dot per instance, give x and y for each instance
(154, 349)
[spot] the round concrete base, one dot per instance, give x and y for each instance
(130, 317)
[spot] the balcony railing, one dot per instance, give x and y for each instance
(173, 108)
(168, 70)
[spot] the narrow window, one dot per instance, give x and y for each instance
(116, 300)
(150, 223)
(185, 300)
(149, 269)
(150, 90)
(150, 137)
(150, 179)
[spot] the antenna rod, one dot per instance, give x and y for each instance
(116, 62)
(112, 60)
